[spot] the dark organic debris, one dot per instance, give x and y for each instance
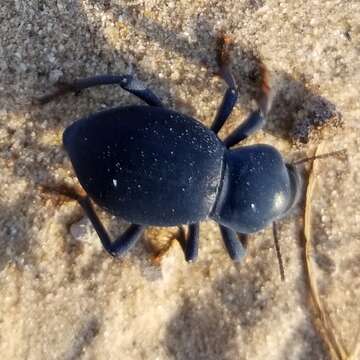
(318, 114)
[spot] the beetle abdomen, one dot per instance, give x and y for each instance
(149, 165)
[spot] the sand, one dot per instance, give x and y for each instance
(62, 297)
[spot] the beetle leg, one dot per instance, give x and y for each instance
(257, 119)
(231, 94)
(253, 123)
(126, 240)
(233, 244)
(127, 82)
(190, 243)
(123, 243)
(115, 248)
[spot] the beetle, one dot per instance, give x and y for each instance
(153, 166)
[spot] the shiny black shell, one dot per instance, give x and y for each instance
(148, 165)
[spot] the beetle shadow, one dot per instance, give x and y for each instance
(243, 299)
(234, 304)
(297, 112)
(195, 332)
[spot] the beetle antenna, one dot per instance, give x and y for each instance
(341, 153)
(278, 253)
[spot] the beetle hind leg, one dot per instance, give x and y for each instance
(123, 243)
(115, 248)
(126, 240)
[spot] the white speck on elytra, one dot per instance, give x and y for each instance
(115, 182)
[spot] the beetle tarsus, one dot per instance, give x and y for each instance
(264, 99)
(224, 46)
(62, 88)
(223, 58)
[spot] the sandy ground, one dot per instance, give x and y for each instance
(62, 297)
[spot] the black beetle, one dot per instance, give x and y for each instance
(153, 166)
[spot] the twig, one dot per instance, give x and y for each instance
(323, 321)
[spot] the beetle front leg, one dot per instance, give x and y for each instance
(127, 82)
(257, 118)
(253, 123)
